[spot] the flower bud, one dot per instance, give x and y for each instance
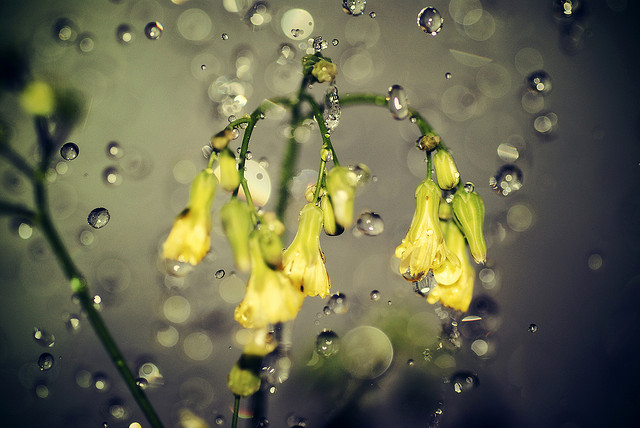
(221, 139)
(271, 222)
(428, 142)
(444, 210)
(237, 225)
(324, 71)
(270, 246)
(309, 192)
(331, 228)
(446, 170)
(38, 99)
(244, 378)
(341, 186)
(468, 212)
(229, 174)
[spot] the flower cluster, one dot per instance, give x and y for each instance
(436, 238)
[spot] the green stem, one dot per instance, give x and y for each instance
(321, 173)
(324, 132)
(428, 154)
(18, 210)
(236, 410)
(17, 160)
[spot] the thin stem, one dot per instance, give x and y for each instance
(428, 154)
(17, 160)
(17, 210)
(324, 132)
(321, 173)
(236, 410)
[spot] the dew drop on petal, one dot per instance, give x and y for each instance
(370, 223)
(469, 187)
(539, 82)
(398, 104)
(338, 303)
(43, 338)
(45, 361)
(153, 30)
(327, 343)
(464, 381)
(507, 180)
(354, 7)
(69, 151)
(430, 21)
(98, 218)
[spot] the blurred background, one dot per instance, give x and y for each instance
(538, 101)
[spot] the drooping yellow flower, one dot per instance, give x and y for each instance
(468, 212)
(457, 295)
(341, 187)
(38, 99)
(229, 174)
(303, 260)
(423, 248)
(270, 296)
(237, 225)
(189, 241)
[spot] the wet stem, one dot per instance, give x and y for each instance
(41, 216)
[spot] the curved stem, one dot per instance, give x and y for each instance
(324, 132)
(17, 160)
(236, 410)
(18, 210)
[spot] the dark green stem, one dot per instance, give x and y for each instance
(17, 210)
(324, 132)
(236, 410)
(16, 160)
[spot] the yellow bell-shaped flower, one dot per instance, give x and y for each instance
(270, 296)
(341, 187)
(229, 174)
(423, 248)
(303, 260)
(188, 240)
(468, 212)
(237, 225)
(458, 294)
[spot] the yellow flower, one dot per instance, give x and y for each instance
(331, 227)
(446, 170)
(303, 260)
(468, 212)
(423, 248)
(324, 71)
(189, 241)
(270, 296)
(229, 174)
(237, 225)
(341, 187)
(457, 295)
(38, 99)
(221, 139)
(244, 378)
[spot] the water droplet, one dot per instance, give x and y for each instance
(354, 7)
(45, 361)
(296, 32)
(224, 36)
(142, 383)
(533, 328)
(65, 30)
(546, 124)
(327, 343)
(410, 362)
(124, 34)
(112, 176)
(73, 323)
(338, 303)
(374, 295)
(153, 30)
(430, 21)
(97, 302)
(447, 76)
(231, 119)
(114, 150)
(178, 268)
(507, 180)
(335, 42)
(594, 261)
(332, 112)
(539, 82)
(398, 104)
(117, 410)
(41, 390)
(326, 310)
(258, 15)
(372, 15)
(69, 151)
(319, 44)
(43, 338)
(370, 223)
(219, 420)
(101, 382)
(219, 274)
(98, 218)
(85, 43)
(203, 67)
(566, 10)
(263, 422)
(469, 187)
(464, 381)
(363, 173)
(436, 416)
